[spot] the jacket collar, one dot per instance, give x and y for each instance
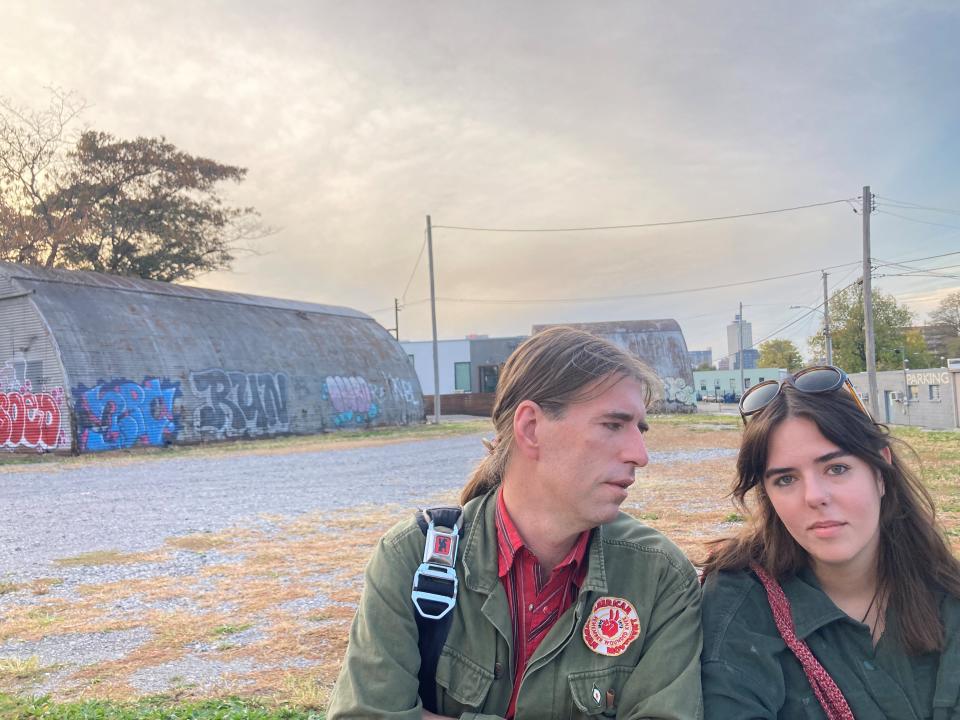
(480, 549)
(810, 606)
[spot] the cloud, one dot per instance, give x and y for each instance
(358, 119)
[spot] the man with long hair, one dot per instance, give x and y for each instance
(565, 606)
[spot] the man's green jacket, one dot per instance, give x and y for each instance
(639, 606)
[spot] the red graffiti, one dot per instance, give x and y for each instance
(29, 419)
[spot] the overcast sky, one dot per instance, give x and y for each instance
(357, 119)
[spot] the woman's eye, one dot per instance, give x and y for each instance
(784, 480)
(837, 469)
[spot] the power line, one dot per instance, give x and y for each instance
(641, 225)
(922, 222)
(532, 301)
(928, 257)
(415, 266)
(917, 206)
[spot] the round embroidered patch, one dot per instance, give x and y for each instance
(611, 626)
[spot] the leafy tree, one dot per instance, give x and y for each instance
(948, 312)
(890, 321)
(780, 354)
(91, 201)
(952, 347)
(704, 366)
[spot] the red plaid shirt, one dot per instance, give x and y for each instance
(536, 599)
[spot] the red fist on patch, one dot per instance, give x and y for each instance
(609, 626)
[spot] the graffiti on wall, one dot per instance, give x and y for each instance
(238, 403)
(120, 413)
(676, 390)
(28, 419)
(402, 390)
(354, 400)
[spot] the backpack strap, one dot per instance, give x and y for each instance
(831, 699)
(434, 592)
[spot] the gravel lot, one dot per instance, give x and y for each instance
(136, 503)
(135, 506)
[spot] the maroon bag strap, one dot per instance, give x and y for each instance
(832, 701)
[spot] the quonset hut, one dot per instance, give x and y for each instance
(93, 362)
(660, 344)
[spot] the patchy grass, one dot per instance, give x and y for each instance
(261, 446)
(222, 630)
(938, 461)
(8, 587)
(153, 708)
(12, 668)
(304, 691)
(696, 419)
(42, 586)
(103, 557)
(200, 542)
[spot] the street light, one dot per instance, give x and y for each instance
(826, 327)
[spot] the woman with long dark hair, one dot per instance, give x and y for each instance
(841, 597)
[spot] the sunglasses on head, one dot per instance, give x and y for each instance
(818, 379)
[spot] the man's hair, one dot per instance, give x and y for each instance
(915, 562)
(555, 368)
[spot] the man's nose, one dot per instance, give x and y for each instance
(637, 449)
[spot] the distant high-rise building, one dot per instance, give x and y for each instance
(699, 357)
(745, 331)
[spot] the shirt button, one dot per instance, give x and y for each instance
(868, 665)
(530, 607)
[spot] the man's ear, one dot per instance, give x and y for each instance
(527, 421)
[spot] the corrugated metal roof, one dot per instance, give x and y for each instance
(140, 286)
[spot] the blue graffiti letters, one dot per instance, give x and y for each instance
(121, 413)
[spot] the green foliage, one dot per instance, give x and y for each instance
(155, 708)
(704, 366)
(948, 312)
(95, 202)
(952, 347)
(780, 354)
(890, 320)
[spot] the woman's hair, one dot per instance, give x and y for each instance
(554, 368)
(915, 561)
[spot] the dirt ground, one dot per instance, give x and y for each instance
(266, 608)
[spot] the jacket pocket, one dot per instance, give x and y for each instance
(597, 692)
(463, 681)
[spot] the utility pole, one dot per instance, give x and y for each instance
(740, 346)
(433, 320)
(396, 320)
(870, 349)
(826, 320)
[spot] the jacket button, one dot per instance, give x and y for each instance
(497, 670)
